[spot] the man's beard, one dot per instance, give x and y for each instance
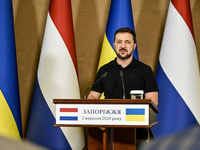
(124, 57)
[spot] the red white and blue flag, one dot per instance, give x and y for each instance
(69, 114)
(56, 78)
(178, 73)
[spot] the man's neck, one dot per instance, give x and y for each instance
(124, 62)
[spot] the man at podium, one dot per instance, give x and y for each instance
(118, 77)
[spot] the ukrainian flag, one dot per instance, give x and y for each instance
(135, 114)
(10, 116)
(120, 15)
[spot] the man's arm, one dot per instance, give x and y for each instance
(153, 96)
(94, 95)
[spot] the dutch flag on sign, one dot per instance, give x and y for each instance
(69, 114)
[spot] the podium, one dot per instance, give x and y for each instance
(111, 123)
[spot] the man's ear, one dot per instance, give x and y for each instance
(135, 46)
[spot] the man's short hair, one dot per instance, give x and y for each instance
(125, 30)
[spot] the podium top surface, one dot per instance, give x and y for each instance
(106, 101)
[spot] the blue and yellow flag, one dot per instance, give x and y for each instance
(135, 114)
(120, 15)
(10, 115)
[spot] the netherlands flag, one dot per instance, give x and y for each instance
(56, 78)
(178, 73)
(69, 114)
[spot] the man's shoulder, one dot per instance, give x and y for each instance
(108, 64)
(142, 64)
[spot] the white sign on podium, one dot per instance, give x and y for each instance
(102, 114)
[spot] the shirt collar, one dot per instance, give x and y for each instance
(132, 64)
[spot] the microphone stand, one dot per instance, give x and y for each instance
(122, 75)
(103, 76)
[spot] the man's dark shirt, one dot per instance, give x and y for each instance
(136, 76)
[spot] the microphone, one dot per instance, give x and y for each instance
(102, 76)
(122, 77)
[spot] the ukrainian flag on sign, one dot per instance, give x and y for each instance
(10, 115)
(135, 114)
(120, 15)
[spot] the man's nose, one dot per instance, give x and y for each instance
(123, 44)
